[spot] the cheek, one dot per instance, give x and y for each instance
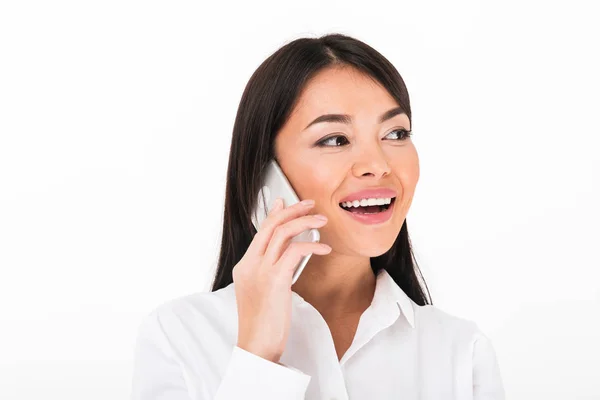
(408, 170)
(309, 177)
(315, 182)
(408, 176)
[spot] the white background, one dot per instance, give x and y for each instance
(116, 119)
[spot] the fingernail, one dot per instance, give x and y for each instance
(276, 204)
(321, 217)
(307, 202)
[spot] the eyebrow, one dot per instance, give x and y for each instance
(346, 119)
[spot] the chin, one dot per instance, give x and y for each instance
(373, 248)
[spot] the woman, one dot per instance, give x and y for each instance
(357, 324)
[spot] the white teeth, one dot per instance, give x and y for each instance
(367, 202)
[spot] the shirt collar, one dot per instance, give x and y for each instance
(388, 297)
(388, 292)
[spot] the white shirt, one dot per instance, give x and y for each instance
(186, 350)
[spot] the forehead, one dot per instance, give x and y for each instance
(343, 90)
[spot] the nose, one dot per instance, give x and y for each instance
(371, 161)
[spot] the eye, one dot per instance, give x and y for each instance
(329, 140)
(402, 133)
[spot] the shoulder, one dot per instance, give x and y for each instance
(461, 340)
(199, 303)
(435, 321)
(184, 343)
(192, 313)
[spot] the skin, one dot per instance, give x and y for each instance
(341, 284)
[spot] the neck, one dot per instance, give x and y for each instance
(336, 284)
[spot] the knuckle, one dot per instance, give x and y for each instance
(312, 219)
(289, 251)
(236, 271)
(235, 274)
(296, 248)
(241, 268)
(280, 230)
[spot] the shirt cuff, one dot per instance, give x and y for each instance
(250, 376)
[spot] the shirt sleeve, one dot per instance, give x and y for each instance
(487, 380)
(249, 376)
(156, 373)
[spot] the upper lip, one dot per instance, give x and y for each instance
(379, 192)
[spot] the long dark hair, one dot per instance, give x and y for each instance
(267, 101)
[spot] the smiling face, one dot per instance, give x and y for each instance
(328, 161)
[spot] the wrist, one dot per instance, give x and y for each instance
(261, 352)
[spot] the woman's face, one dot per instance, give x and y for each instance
(359, 155)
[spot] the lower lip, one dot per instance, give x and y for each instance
(371, 219)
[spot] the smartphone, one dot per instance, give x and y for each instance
(275, 184)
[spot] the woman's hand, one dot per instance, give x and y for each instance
(263, 278)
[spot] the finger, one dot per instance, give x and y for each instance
(295, 252)
(277, 205)
(275, 218)
(283, 235)
(257, 244)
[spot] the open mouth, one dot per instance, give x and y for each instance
(368, 209)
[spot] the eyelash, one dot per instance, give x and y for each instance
(404, 136)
